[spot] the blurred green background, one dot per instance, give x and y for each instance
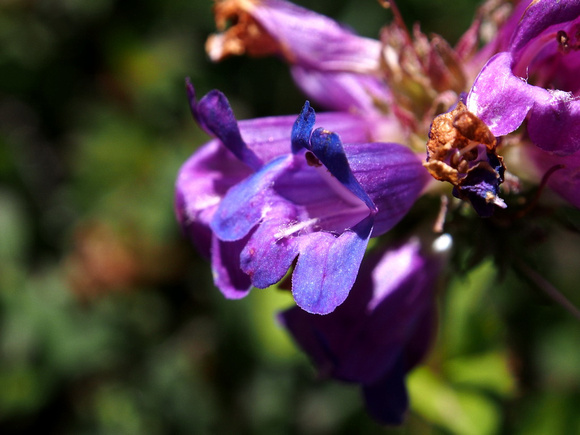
(109, 322)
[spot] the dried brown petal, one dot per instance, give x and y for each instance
(244, 36)
(454, 145)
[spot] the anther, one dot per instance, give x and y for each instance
(563, 41)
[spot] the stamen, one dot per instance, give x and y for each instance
(567, 43)
(390, 4)
(289, 230)
(563, 41)
(468, 148)
(492, 198)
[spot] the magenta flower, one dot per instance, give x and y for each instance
(536, 77)
(382, 331)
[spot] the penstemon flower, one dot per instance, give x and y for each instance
(381, 332)
(332, 65)
(535, 77)
(240, 148)
(318, 200)
(321, 202)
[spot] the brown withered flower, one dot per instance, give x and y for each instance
(462, 151)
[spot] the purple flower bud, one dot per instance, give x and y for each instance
(383, 329)
(536, 77)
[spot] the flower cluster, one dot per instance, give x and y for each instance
(305, 193)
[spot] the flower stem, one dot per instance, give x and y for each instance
(551, 291)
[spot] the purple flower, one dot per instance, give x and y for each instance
(240, 149)
(382, 331)
(331, 64)
(536, 77)
(290, 192)
(320, 203)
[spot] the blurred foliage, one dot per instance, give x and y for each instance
(109, 322)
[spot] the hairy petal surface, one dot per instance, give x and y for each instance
(555, 125)
(327, 267)
(488, 98)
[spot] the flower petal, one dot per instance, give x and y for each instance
(381, 331)
(225, 263)
(302, 128)
(247, 202)
(327, 267)
(391, 175)
(215, 116)
(322, 53)
(328, 148)
(538, 17)
(501, 99)
(299, 35)
(202, 182)
(543, 47)
(267, 246)
(344, 91)
(554, 125)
